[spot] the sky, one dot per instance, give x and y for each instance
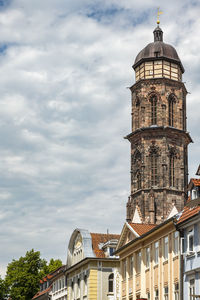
(65, 106)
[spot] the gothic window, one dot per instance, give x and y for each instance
(137, 115)
(153, 101)
(171, 170)
(137, 158)
(154, 171)
(138, 178)
(110, 283)
(171, 110)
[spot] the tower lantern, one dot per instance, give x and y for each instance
(159, 137)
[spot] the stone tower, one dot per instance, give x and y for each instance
(159, 137)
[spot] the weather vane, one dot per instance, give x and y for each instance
(158, 15)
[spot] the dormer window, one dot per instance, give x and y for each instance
(111, 251)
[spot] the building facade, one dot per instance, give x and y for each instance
(159, 137)
(53, 286)
(189, 227)
(92, 269)
(150, 261)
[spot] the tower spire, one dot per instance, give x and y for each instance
(158, 15)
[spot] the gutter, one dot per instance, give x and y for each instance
(181, 261)
(87, 259)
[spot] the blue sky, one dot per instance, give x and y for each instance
(64, 109)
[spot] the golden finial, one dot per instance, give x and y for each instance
(158, 15)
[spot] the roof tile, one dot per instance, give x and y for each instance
(142, 228)
(101, 238)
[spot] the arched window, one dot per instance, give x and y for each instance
(171, 170)
(153, 101)
(85, 285)
(138, 178)
(154, 171)
(137, 114)
(72, 289)
(110, 283)
(137, 160)
(78, 288)
(171, 110)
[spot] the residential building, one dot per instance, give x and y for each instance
(149, 261)
(92, 269)
(189, 226)
(159, 137)
(53, 286)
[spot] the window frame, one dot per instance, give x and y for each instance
(156, 252)
(111, 283)
(190, 235)
(176, 243)
(148, 257)
(166, 247)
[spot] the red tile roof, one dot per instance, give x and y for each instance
(196, 181)
(41, 293)
(189, 212)
(101, 238)
(142, 228)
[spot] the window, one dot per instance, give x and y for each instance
(156, 294)
(110, 283)
(124, 269)
(138, 176)
(171, 170)
(147, 257)
(85, 285)
(176, 241)
(166, 247)
(176, 291)
(111, 251)
(78, 288)
(138, 262)
(130, 266)
(191, 289)
(153, 101)
(153, 169)
(166, 293)
(156, 252)
(171, 110)
(190, 240)
(148, 296)
(72, 289)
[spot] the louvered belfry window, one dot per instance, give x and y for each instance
(171, 170)
(154, 170)
(153, 110)
(171, 111)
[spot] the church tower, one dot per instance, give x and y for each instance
(159, 137)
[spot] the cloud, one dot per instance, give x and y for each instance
(65, 108)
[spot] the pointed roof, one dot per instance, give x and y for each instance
(142, 228)
(191, 209)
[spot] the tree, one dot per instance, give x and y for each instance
(51, 267)
(2, 289)
(23, 275)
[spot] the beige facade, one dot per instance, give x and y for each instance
(92, 270)
(149, 264)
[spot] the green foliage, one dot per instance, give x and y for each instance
(51, 267)
(2, 289)
(23, 275)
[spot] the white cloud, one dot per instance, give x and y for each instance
(65, 108)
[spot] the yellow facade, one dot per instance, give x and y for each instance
(154, 270)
